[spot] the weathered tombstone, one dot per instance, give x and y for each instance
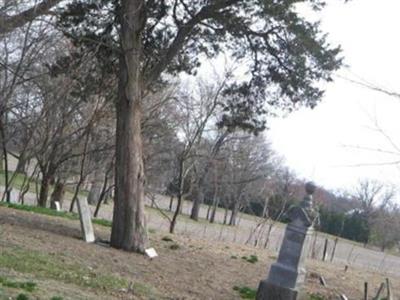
(14, 196)
(86, 220)
(57, 205)
(287, 276)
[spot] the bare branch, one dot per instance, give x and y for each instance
(9, 23)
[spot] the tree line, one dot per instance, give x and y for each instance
(92, 95)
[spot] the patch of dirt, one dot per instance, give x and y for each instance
(198, 269)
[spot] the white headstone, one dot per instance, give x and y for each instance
(151, 252)
(14, 196)
(86, 220)
(58, 206)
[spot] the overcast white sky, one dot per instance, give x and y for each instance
(317, 143)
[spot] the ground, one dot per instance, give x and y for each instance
(347, 252)
(46, 252)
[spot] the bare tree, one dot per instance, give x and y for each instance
(15, 14)
(196, 108)
(371, 193)
(20, 54)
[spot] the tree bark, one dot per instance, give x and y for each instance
(82, 174)
(214, 210)
(22, 162)
(179, 198)
(129, 224)
(103, 195)
(26, 185)
(7, 189)
(235, 210)
(48, 173)
(194, 215)
(96, 187)
(44, 190)
(175, 216)
(58, 194)
(208, 211)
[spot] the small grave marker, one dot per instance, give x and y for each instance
(151, 253)
(14, 196)
(57, 205)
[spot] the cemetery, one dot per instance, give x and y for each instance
(60, 257)
(205, 149)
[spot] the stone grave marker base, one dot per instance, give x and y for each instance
(269, 291)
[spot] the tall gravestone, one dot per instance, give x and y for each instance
(86, 220)
(287, 276)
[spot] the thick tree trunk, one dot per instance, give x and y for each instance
(235, 210)
(194, 215)
(48, 174)
(129, 223)
(58, 194)
(44, 190)
(22, 163)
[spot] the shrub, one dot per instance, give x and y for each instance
(246, 292)
(251, 259)
(174, 246)
(167, 239)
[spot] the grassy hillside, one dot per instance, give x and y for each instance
(43, 257)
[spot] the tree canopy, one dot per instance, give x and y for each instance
(285, 55)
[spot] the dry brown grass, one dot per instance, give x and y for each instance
(197, 269)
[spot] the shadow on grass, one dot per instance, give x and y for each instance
(45, 224)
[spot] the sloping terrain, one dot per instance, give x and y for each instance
(47, 253)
